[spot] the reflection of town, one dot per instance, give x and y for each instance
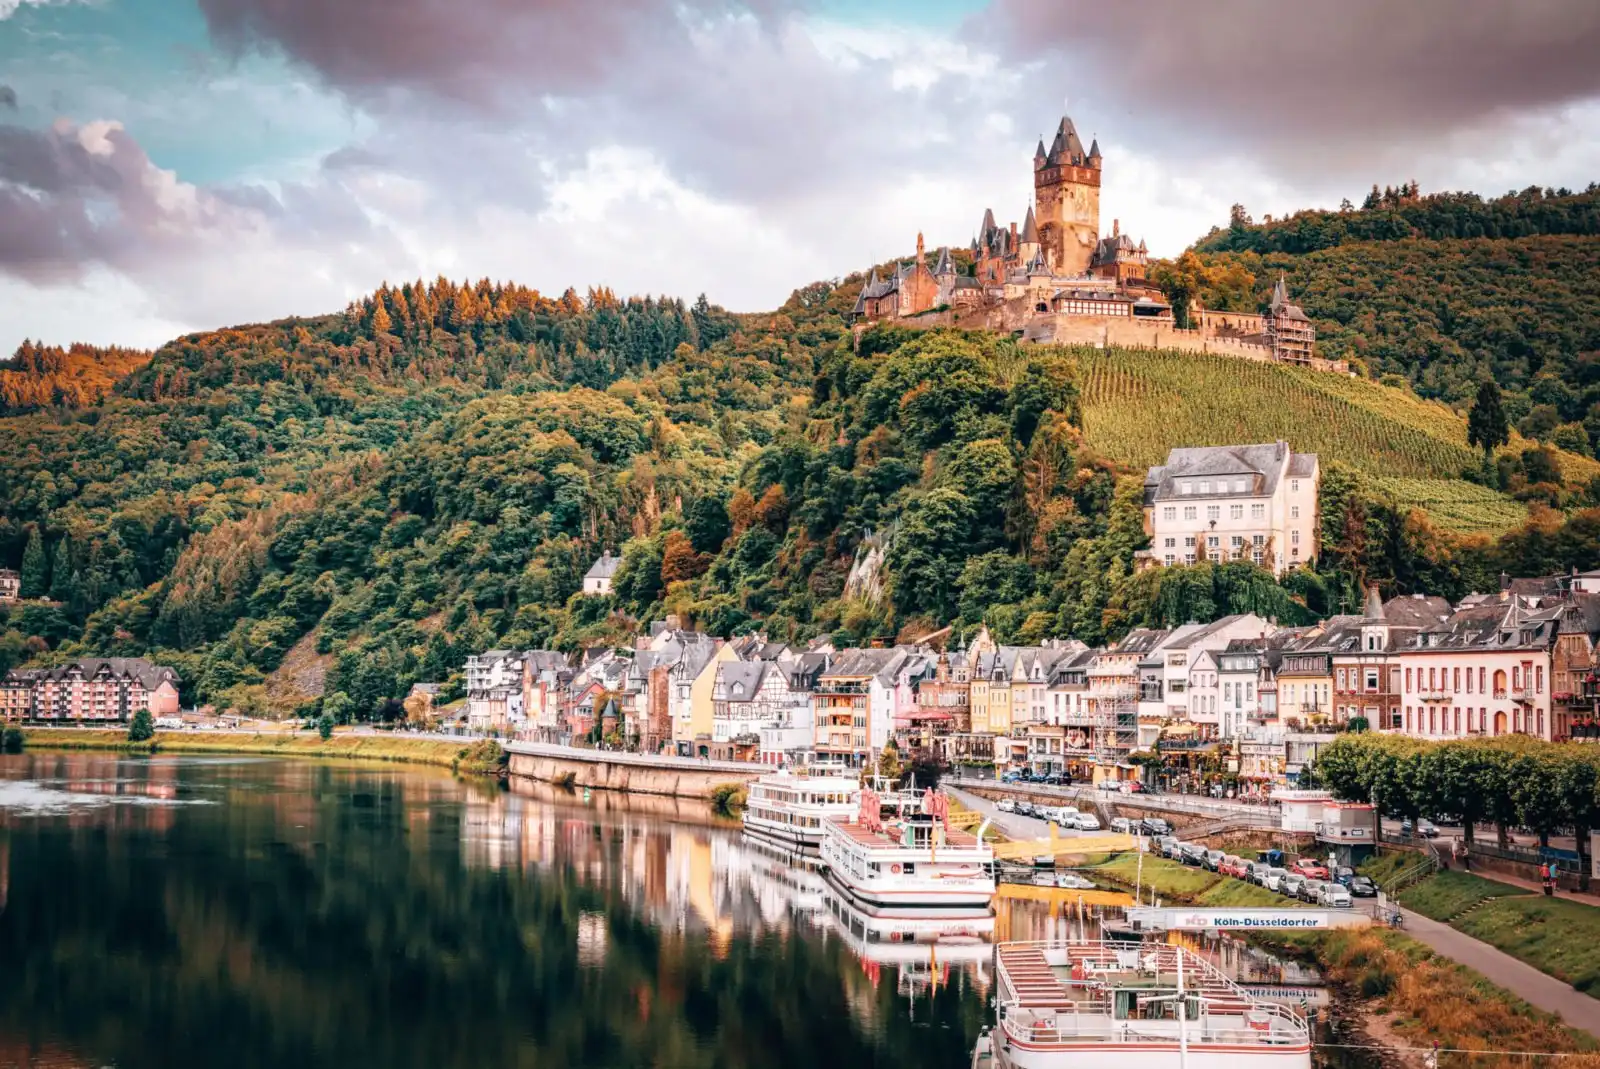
(706, 879)
(95, 791)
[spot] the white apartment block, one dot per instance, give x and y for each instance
(1234, 502)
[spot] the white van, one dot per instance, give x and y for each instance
(169, 723)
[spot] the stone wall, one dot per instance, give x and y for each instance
(636, 773)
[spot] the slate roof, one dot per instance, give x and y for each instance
(1261, 464)
(1066, 147)
(1416, 611)
(150, 676)
(604, 567)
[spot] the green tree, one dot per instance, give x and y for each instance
(141, 728)
(707, 523)
(338, 707)
(35, 566)
(1487, 427)
(11, 740)
(325, 726)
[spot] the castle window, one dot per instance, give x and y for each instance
(1205, 487)
(1294, 486)
(1238, 486)
(1213, 512)
(1294, 512)
(1235, 512)
(1186, 488)
(1169, 513)
(1189, 512)
(1258, 512)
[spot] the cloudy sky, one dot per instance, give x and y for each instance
(172, 165)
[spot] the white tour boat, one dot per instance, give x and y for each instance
(789, 810)
(1118, 1005)
(909, 860)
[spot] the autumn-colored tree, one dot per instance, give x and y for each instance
(772, 511)
(679, 561)
(741, 511)
(380, 318)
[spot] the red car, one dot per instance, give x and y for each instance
(1231, 866)
(1311, 869)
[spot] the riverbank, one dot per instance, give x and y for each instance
(1411, 995)
(1558, 936)
(476, 757)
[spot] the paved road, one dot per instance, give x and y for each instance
(1546, 992)
(1014, 825)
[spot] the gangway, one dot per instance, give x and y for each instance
(1059, 846)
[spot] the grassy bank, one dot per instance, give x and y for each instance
(1450, 894)
(1184, 883)
(1557, 936)
(1423, 999)
(467, 757)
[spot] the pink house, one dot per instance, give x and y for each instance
(1484, 671)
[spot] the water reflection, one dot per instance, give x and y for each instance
(325, 915)
(178, 912)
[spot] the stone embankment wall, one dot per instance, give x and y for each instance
(636, 773)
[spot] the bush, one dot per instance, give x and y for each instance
(325, 726)
(483, 758)
(728, 797)
(11, 740)
(141, 728)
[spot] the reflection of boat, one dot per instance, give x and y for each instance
(1110, 1005)
(912, 860)
(789, 810)
(953, 939)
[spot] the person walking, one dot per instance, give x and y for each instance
(1544, 878)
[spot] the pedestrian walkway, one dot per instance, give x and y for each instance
(1546, 992)
(1590, 898)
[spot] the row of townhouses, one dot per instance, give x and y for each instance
(1239, 696)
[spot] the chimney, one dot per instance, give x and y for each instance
(1013, 233)
(919, 246)
(1116, 228)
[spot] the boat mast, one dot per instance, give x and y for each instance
(1183, 1017)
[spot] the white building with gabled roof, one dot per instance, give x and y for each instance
(1233, 502)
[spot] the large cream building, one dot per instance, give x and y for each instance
(1233, 502)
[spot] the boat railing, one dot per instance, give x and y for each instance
(1101, 1029)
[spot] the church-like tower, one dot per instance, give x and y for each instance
(1066, 196)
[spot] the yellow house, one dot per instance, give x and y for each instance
(700, 704)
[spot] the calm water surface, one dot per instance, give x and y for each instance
(249, 913)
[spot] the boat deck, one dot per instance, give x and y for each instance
(954, 838)
(1064, 995)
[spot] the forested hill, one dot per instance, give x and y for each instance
(38, 376)
(358, 501)
(1444, 290)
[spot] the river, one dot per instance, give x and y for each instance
(244, 912)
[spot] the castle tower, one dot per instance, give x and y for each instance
(1066, 194)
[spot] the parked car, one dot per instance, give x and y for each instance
(1157, 826)
(1007, 805)
(1167, 845)
(1311, 868)
(1193, 854)
(1291, 883)
(1311, 890)
(1362, 887)
(1335, 895)
(1132, 786)
(1272, 878)
(1249, 869)
(1212, 859)
(1088, 822)
(1343, 875)
(1122, 825)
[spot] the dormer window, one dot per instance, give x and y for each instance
(1186, 488)
(1205, 487)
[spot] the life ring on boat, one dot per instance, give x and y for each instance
(895, 868)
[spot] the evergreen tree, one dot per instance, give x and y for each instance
(141, 728)
(1486, 423)
(35, 567)
(62, 586)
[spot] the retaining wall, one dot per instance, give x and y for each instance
(636, 773)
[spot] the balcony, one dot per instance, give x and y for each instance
(1150, 692)
(1433, 694)
(828, 686)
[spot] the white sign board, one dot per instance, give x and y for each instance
(1187, 919)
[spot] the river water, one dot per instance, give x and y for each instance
(245, 913)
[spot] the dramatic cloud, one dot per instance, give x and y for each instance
(1341, 78)
(480, 52)
(8, 97)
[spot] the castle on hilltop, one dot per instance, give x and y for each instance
(1055, 279)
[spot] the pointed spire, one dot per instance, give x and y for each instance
(1030, 229)
(1280, 295)
(1094, 149)
(988, 223)
(944, 266)
(1038, 153)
